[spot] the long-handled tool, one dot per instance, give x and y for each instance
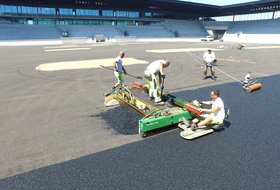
(126, 73)
(162, 88)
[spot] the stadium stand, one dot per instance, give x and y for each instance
(147, 31)
(23, 32)
(262, 31)
(255, 27)
(90, 30)
(214, 25)
(189, 29)
(20, 32)
(267, 30)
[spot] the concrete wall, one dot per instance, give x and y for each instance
(253, 38)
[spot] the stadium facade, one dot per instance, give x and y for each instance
(123, 12)
(165, 18)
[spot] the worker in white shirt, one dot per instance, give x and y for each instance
(154, 69)
(209, 59)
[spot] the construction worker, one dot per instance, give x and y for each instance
(154, 69)
(247, 78)
(217, 112)
(209, 59)
(118, 68)
(240, 46)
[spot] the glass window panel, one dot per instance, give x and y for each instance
(120, 13)
(24, 9)
(29, 10)
(148, 14)
(87, 12)
(80, 12)
(256, 16)
(277, 15)
(107, 13)
(9, 9)
(64, 11)
(122, 22)
(78, 21)
(2, 9)
(68, 22)
(107, 22)
(96, 22)
(41, 21)
(22, 21)
(33, 10)
(133, 14)
(45, 10)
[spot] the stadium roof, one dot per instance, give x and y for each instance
(156, 6)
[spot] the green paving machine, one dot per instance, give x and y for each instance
(174, 111)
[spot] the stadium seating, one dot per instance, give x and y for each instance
(167, 28)
(19, 32)
(147, 31)
(255, 27)
(187, 29)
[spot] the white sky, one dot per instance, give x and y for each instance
(220, 2)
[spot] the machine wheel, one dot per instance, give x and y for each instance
(218, 126)
(147, 110)
(143, 135)
(127, 98)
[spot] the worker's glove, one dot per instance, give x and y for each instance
(116, 70)
(161, 86)
(124, 72)
(163, 76)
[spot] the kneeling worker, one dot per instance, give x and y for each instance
(217, 112)
(154, 69)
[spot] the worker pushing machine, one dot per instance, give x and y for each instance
(154, 69)
(209, 60)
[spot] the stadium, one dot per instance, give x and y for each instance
(130, 20)
(56, 65)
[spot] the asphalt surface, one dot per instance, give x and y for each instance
(56, 133)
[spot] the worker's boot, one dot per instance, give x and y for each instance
(159, 103)
(193, 126)
(186, 122)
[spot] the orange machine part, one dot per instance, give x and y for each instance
(137, 84)
(255, 87)
(192, 109)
